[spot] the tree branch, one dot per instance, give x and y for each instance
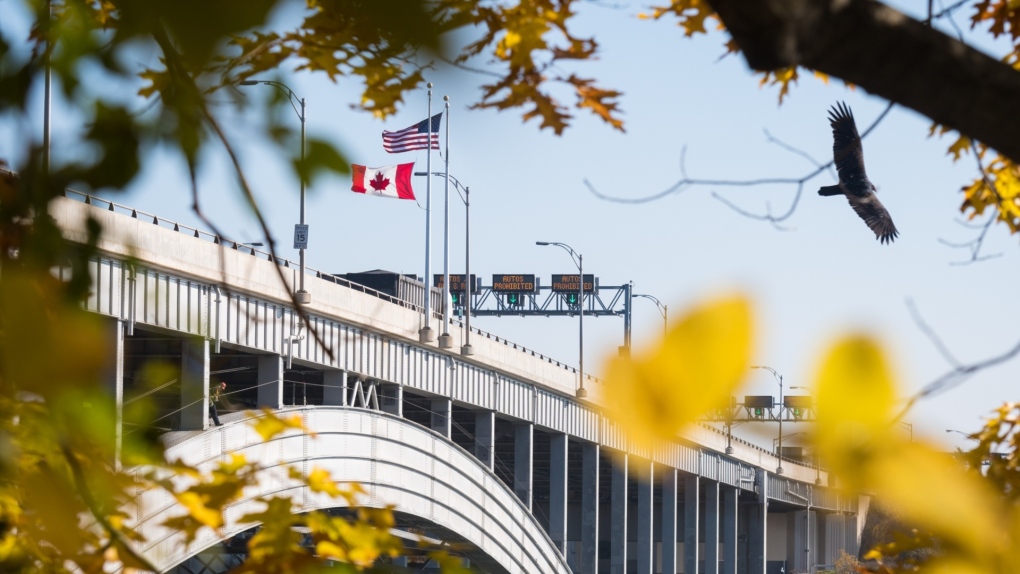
(887, 53)
(86, 495)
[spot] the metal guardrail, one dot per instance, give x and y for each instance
(114, 207)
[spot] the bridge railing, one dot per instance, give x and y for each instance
(410, 291)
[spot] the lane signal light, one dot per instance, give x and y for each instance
(514, 299)
(571, 299)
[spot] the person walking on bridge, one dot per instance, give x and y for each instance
(214, 396)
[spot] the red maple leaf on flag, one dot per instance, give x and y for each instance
(379, 183)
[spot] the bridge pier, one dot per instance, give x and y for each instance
(524, 448)
(391, 399)
(669, 516)
(589, 508)
(711, 527)
(485, 437)
(441, 417)
(618, 516)
(334, 388)
(194, 384)
(692, 508)
(729, 527)
(113, 377)
(645, 549)
(758, 527)
(558, 444)
(840, 533)
(270, 381)
(802, 534)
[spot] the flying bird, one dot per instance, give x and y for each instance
(853, 181)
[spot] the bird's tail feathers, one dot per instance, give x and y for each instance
(830, 190)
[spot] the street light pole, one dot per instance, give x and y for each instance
(466, 348)
(818, 466)
(300, 230)
(578, 260)
(663, 310)
(445, 340)
(779, 379)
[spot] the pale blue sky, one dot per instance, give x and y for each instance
(824, 277)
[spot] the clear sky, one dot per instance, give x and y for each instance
(822, 276)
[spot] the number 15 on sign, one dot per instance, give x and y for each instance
(300, 236)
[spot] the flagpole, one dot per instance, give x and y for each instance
(425, 335)
(445, 340)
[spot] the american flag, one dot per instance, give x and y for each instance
(414, 137)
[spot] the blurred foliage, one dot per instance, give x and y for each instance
(975, 524)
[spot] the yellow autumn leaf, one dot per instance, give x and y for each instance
(696, 368)
(195, 505)
(319, 480)
(331, 551)
(908, 480)
(270, 424)
(961, 145)
(855, 398)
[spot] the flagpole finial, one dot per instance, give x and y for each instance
(429, 85)
(446, 99)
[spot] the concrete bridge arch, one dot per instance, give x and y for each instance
(397, 462)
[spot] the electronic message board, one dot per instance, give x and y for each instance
(568, 283)
(457, 284)
(505, 283)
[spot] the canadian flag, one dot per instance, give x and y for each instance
(386, 181)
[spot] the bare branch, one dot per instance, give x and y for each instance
(773, 139)
(685, 182)
(956, 376)
(930, 333)
(173, 62)
(974, 245)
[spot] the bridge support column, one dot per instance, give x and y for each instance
(113, 378)
(524, 448)
(669, 504)
(392, 399)
(692, 504)
(558, 491)
(645, 549)
(485, 437)
(441, 418)
(802, 535)
(758, 515)
(618, 518)
(270, 381)
(194, 384)
(711, 527)
(729, 527)
(334, 389)
(589, 508)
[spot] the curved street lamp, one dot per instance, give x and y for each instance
(663, 310)
(965, 434)
(779, 379)
(578, 260)
(301, 296)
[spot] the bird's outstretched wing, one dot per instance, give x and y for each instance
(847, 151)
(875, 215)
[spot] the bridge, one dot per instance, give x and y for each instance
(492, 451)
